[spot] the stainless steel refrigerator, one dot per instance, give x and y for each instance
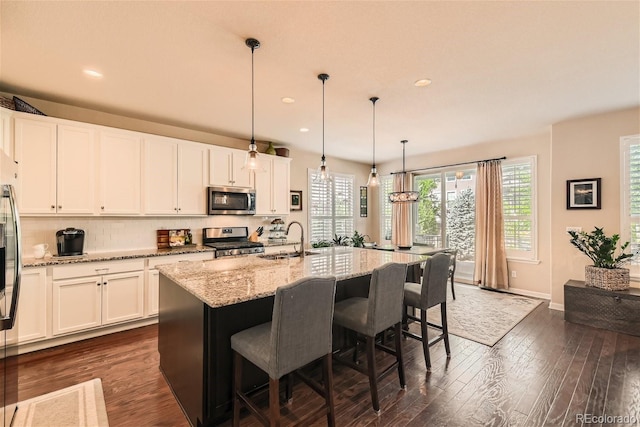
(10, 266)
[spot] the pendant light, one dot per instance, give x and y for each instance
(403, 196)
(251, 161)
(373, 175)
(323, 173)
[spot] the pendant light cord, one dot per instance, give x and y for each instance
(323, 158)
(404, 174)
(253, 108)
(373, 100)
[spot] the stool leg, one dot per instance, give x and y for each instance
(425, 339)
(327, 375)
(274, 402)
(453, 291)
(237, 381)
(399, 358)
(289, 388)
(355, 347)
(373, 380)
(445, 328)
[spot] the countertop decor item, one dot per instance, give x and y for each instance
(323, 173)
(403, 196)
(251, 161)
(282, 151)
(373, 175)
(606, 271)
(174, 238)
(270, 149)
(25, 107)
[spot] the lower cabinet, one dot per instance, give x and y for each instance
(80, 303)
(32, 313)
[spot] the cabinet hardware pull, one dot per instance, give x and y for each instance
(59, 206)
(98, 284)
(53, 207)
(102, 207)
(179, 209)
(104, 283)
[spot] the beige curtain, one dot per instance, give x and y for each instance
(401, 228)
(491, 258)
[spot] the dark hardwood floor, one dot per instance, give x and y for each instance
(545, 371)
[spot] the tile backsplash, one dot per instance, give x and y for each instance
(109, 234)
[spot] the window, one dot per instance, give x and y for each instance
(630, 184)
(331, 206)
(386, 187)
(518, 206)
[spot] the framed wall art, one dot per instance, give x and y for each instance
(584, 193)
(296, 200)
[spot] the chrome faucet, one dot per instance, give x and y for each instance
(301, 236)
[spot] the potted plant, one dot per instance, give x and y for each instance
(605, 272)
(357, 240)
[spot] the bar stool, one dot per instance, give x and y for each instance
(298, 334)
(431, 292)
(370, 316)
(453, 254)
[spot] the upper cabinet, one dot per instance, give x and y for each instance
(6, 132)
(226, 168)
(55, 167)
(174, 177)
(119, 165)
(272, 186)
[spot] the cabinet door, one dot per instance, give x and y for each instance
(122, 297)
(76, 304)
(153, 286)
(280, 186)
(192, 168)
(35, 144)
(263, 188)
(6, 133)
(160, 177)
(32, 305)
(220, 166)
(120, 173)
(75, 170)
(241, 176)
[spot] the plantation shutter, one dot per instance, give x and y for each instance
(518, 207)
(331, 206)
(386, 187)
(630, 217)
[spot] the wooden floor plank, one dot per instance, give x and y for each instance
(543, 372)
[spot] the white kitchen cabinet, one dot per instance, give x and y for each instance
(226, 168)
(55, 167)
(272, 186)
(174, 177)
(153, 294)
(119, 163)
(113, 294)
(33, 310)
(6, 132)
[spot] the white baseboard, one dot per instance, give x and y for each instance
(556, 306)
(527, 293)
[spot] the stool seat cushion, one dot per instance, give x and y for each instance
(352, 314)
(254, 345)
(412, 294)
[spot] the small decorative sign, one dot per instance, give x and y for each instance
(296, 200)
(584, 193)
(363, 201)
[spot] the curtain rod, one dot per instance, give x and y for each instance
(448, 166)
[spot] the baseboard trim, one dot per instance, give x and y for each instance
(527, 293)
(556, 306)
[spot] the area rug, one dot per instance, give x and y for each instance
(81, 405)
(481, 315)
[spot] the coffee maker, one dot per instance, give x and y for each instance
(70, 242)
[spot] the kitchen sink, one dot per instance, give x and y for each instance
(285, 255)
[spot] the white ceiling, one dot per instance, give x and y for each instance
(500, 69)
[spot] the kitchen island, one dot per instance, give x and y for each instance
(203, 303)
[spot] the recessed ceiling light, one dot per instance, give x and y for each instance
(304, 129)
(92, 73)
(288, 100)
(422, 82)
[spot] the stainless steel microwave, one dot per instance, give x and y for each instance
(231, 201)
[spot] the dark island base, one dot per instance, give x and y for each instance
(194, 342)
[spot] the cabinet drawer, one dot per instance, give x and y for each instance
(96, 268)
(171, 259)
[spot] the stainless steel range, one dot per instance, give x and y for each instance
(230, 241)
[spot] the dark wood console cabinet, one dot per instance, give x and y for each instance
(617, 311)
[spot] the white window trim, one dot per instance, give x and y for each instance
(625, 223)
(532, 256)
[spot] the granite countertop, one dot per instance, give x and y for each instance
(416, 250)
(113, 256)
(227, 281)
